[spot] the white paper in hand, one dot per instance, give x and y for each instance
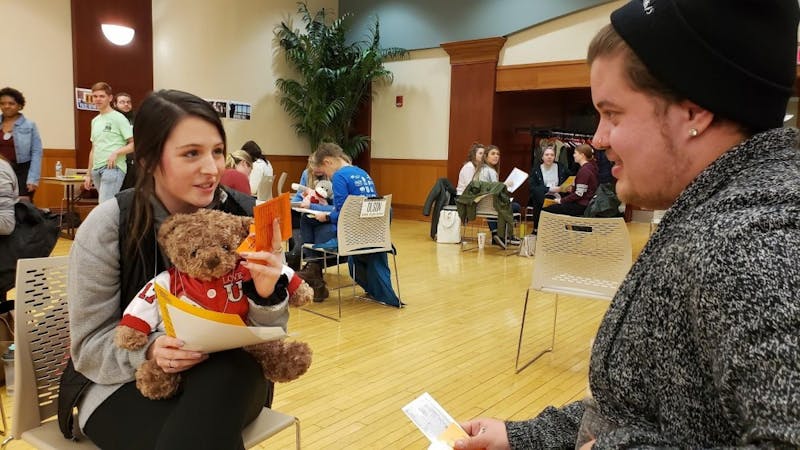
(434, 422)
(516, 178)
(209, 336)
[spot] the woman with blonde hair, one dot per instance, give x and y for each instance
(347, 180)
(238, 166)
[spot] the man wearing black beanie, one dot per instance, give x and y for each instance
(700, 347)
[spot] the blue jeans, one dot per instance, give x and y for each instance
(107, 182)
(315, 232)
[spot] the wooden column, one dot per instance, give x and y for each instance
(473, 68)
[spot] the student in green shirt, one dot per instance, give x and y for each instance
(112, 139)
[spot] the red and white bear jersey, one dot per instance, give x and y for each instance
(224, 294)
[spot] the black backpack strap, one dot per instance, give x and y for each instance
(70, 388)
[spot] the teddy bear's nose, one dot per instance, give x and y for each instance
(212, 262)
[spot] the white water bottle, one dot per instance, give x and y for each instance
(58, 169)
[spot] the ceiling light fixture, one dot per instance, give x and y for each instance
(118, 34)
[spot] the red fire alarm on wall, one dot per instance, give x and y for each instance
(398, 101)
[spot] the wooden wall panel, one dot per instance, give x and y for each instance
(48, 195)
(409, 181)
(291, 164)
(126, 68)
(554, 75)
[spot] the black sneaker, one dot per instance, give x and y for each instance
(513, 241)
(497, 240)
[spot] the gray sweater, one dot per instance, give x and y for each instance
(9, 192)
(95, 311)
(701, 345)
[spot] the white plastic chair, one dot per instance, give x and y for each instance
(585, 257)
(42, 348)
(264, 191)
(281, 182)
(358, 235)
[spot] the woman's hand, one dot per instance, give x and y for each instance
(167, 353)
(321, 217)
(87, 182)
(489, 434)
(554, 189)
(265, 267)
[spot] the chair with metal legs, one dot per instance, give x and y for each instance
(42, 349)
(359, 232)
(585, 257)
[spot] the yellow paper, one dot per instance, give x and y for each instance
(566, 184)
(208, 331)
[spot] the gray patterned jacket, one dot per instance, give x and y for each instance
(701, 345)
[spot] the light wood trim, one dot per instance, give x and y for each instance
(551, 75)
(409, 181)
(474, 51)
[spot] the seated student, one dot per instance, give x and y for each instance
(8, 197)
(488, 171)
(475, 158)
(238, 166)
(309, 179)
(180, 142)
(261, 167)
(586, 182)
(347, 180)
(546, 179)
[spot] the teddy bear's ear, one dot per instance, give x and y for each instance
(168, 226)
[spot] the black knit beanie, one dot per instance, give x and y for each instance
(735, 58)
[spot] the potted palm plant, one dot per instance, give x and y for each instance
(333, 77)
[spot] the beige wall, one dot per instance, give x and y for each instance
(417, 130)
(214, 50)
(566, 38)
(37, 60)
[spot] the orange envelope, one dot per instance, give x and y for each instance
(279, 207)
(260, 238)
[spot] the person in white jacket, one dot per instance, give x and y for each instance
(261, 167)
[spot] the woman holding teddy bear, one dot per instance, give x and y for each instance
(180, 145)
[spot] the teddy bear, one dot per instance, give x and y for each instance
(322, 194)
(207, 272)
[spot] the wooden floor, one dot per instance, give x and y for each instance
(456, 339)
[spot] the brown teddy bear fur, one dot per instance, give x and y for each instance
(203, 245)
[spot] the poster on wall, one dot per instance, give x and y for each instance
(229, 109)
(220, 106)
(83, 99)
(239, 110)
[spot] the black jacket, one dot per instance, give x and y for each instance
(439, 197)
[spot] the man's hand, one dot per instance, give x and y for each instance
(489, 434)
(112, 160)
